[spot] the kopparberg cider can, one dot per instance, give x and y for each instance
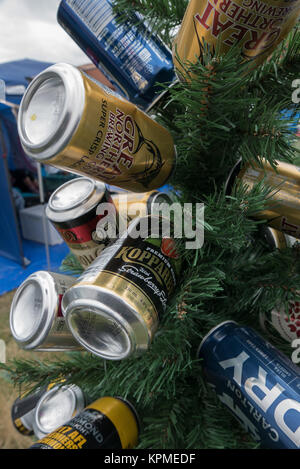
(283, 207)
(256, 382)
(74, 211)
(113, 310)
(55, 407)
(130, 205)
(108, 423)
(254, 26)
(70, 121)
(132, 58)
(36, 319)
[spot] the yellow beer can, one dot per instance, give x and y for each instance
(282, 210)
(257, 27)
(70, 121)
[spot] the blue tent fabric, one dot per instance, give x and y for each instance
(11, 153)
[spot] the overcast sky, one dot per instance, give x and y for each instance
(29, 29)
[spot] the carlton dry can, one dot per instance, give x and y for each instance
(282, 321)
(256, 382)
(36, 319)
(108, 423)
(283, 202)
(55, 407)
(131, 205)
(23, 411)
(113, 310)
(131, 57)
(74, 211)
(70, 121)
(255, 27)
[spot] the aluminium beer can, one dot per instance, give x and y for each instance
(114, 308)
(36, 319)
(74, 211)
(133, 59)
(254, 27)
(107, 423)
(68, 120)
(282, 210)
(256, 382)
(23, 411)
(57, 406)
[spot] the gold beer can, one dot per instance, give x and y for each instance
(283, 206)
(256, 27)
(68, 120)
(131, 205)
(114, 308)
(107, 423)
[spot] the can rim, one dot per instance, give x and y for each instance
(231, 177)
(78, 403)
(211, 331)
(37, 336)
(100, 308)
(134, 411)
(74, 94)
(79, 208)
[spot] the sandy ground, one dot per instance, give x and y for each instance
(10, 438)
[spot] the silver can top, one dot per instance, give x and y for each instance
(74, 198)
(50, 111)
(33, 309)
(56, 407)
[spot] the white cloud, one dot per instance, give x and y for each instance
(29, 29)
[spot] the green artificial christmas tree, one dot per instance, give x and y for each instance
(226, 112)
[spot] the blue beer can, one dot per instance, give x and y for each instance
(130, 56)
(256, 382)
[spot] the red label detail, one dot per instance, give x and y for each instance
(80, 234)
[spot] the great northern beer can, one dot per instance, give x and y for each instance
(113, 310)
(76, 209)
(55, 407)
(132, 58)
(36, 319)
(70, 121)
(108, 423)
(256, 382)
(255, 27)
(131, 205)
(23, 411)
(283, 204)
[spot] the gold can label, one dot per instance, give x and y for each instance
(283, 206)
(256, 26)
(118, 143)
(132, 205)
(107, 423)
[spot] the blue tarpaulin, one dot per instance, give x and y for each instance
(16, 76)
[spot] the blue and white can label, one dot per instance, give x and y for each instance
(258, 384)
(130, 56)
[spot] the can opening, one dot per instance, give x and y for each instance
(27, 311)
(55, 409)
(99, 333)
(44, 110)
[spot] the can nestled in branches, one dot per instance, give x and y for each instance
(282, 321)
(74, 211)
(131, 57)
(256, 27)
(36, 320)
(23, 411)
(256, 382)
(108, 423)
(56, 407)
(113, 309)
(283, 205)
(72, 122)
(131, 205)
